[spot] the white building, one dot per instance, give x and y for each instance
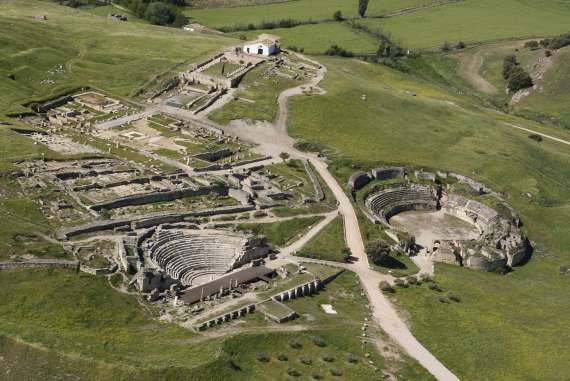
(265, 45)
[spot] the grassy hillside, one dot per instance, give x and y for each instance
(317, 38)
(328, 244)
(73, 48)
(477, 20)
(415, 122)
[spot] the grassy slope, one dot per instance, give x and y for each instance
(477, 20)
(94, 51)
(393, 127)
(317, 38)
(283, 232)
(302, 10)
(328, 244)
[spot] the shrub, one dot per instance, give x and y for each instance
(284, 156)
(547, 53)
(426, 278)
(336, 50)
(336, 372)
(519, 80)
(234, 366)
(295, 344)
(445, 47)
(319, 342)
(242, 37)
(337, 16)
(442, 299)
(306, 361)
(328, 358)
(262, 357)
(535, 137)
(400, 283)
(532, 45)
(362, 7)
(282, 358)
(460, 45)
(453, 297)
(412, 280)
(434, 287)
(378, 252)
(293, 372)
(259, 214)
(317, 376)
(351, 358)
(386, 287)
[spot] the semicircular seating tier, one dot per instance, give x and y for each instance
(187, 257)
(394, 199)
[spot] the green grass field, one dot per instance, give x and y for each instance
(282, 233)
(477, 20)
(301, 10)
(118, 57)
(394, 127)
(317, 38)
(106, 10)
(328, 244)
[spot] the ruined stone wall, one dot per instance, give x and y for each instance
(319, 194)
(148, 198)
(40, 263)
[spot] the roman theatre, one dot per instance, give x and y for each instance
(451, 218)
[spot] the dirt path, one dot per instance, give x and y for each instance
(313, 232)
(469, 66)
(274, 138)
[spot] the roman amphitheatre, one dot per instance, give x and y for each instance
(278, 190)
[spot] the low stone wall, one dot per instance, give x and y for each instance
(149, 198)
(319, 194)
(235, 314)
(214, 155)
(40, 263)
(148, 220)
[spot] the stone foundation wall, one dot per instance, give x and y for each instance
(47, 263)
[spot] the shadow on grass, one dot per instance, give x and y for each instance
(392, 263)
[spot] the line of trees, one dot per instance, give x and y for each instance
(158, 12)
(517, 78)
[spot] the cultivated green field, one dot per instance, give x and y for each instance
(477, 20)
(394, 127)
(300, 10)
(118, 57)
(317, 38)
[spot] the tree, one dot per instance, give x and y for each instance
(362, 6)
(378, 252)
(180, 20)
(337, 16)
(346, 253)
(159, 14)
(284, 156)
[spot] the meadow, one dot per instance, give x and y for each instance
(328, 244)
(282, 233)
(410, 121)
(300, 10)
(473, 21)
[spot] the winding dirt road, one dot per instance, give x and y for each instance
(272, 139)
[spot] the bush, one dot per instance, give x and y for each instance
(293, 372)
(234, 366)
(386, 287)
(535, 137)
(336, 372)
(337, 16)
(351, 358)
(460, 45)
(515, 75)
(378, 252)
(445, 47)
(547, 53)
(282, 358)
(295, 344)
(336, 50)
(400, 283)
(442, 299)
(319, 342)
(306, 361)
(453, 297)
(317, 376)
(159, 14)
(328, 358)
(259, 214)
(412, 280)
(434, 287)
(532, 45)
(426, 278)
(262, 357)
